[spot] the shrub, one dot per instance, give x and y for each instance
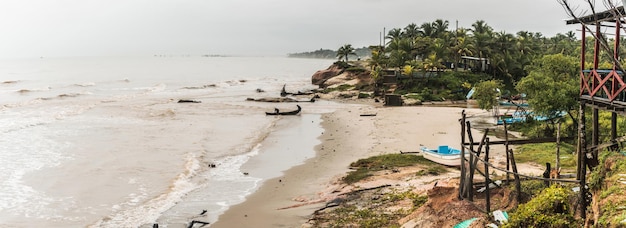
(548, 209)
(364, 167)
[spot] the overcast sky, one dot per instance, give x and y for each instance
(33, 28)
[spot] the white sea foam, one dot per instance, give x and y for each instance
(149, 211)
(23, 153)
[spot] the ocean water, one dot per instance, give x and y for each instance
(102, 141)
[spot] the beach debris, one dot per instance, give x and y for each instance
(203, 212)
(278, 99)
(370, 114)
(212, 165)
(259, 90)
(333, 203)
(500, 216)
(491, 185)
(156, 225)
(245, 173)
(366, 189)
(188, 101)
(194, 222)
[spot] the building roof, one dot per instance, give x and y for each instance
(606, 16)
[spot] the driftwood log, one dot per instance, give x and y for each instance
(188, 101)
(278, 99)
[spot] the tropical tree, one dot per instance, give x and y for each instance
(440, 28)
(486, 94)
(432, 63)
(462, 47)
(393, 34)
(427, 30)
(411, 31)
(400, 50)
(344, 51)
(552, 85)
(378, 59)
(483, 39)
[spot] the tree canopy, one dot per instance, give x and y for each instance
(552, 84)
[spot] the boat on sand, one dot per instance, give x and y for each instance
(278, 112)
(443, 155)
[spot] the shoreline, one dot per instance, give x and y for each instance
(291, 199)
(288, 200)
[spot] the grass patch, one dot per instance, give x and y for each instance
(341, 88)
(433, 170)
(542, 153)
(353, 216)
(413, 96)
(417, 199)
(365, 167)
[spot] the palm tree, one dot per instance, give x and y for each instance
(481, 26)
(463, 47)
(411, 31)
(345, 51)
(395, 33)
(427, 30)
(483, 39)
(378, 59)
(440, 27)
(400, 51)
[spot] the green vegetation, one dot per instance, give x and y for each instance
(329, 54)
(344, 87)
(345, 51)
(487, 94)
(552, 85)
(375, 213)
(433, 170)
(365, 167)
(531, 187)
(352, 216)
(550, 208)
(542, 153)
(606, 183)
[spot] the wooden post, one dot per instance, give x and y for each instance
(469, 135)
(469, 189)
(463, 176)
(582, 166)
(518, 185)
(595, 131)
(613, 127)
(487, 181)
(558, 145)
(506, 149)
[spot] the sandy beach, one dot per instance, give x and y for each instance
(289, 200)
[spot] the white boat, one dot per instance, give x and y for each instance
(443, 155)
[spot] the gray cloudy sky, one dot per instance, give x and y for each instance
(32, 28)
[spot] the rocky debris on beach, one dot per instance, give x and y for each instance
(335, 76)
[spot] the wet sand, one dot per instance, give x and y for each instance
(289, 200)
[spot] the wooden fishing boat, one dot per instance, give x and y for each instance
(277, 112)
(443, 155)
